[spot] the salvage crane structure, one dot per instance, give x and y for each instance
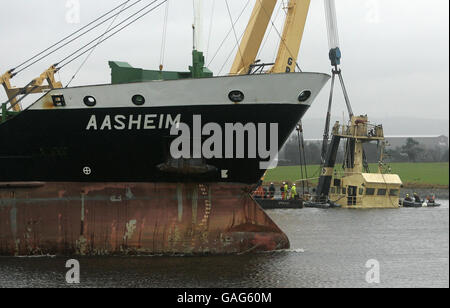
(357, 187)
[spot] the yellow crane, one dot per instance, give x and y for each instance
(35, 86)
(286, 61)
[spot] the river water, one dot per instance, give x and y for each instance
(330, 248)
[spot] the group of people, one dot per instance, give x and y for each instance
(416, 198)
(287, 192)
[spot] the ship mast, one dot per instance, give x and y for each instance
(197, 26)
(198, 68)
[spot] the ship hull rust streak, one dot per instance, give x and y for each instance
(133, 219)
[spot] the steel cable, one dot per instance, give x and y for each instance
(65, 38)
(77, 37)
(114, 33)
(89, 55)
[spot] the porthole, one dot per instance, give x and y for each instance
(236, 96)
(138, 100)
(304, 96)
(90, 101)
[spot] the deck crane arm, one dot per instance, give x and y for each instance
(253, 37)
(35, 86)
(286, 61)
(5, 81)
(297, 13)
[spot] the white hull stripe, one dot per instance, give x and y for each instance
(257, 89)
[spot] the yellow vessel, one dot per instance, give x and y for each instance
(356, 187)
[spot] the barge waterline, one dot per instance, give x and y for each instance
(133, 219)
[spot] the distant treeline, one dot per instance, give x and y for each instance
(412, 151)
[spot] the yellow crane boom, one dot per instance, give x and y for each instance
(253, 36)
(35, 86)
(5, 81)
(294, 27)
(297, 12)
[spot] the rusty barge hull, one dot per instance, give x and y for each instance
(133, 218)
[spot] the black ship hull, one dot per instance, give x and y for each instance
(58, 145)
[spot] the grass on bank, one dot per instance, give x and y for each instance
(412, 174)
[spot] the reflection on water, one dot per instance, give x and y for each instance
(329, 249)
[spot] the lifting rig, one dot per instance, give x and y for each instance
(35, 86)
(358, 188)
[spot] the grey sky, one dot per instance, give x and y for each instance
(395, 52)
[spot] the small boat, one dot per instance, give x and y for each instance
(271, 204)
(406, 203)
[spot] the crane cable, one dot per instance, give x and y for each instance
(77, 37)
(164, 38)
(65, 38)
(234, 31)
(210, 29)
(229, 55)
(89, 55)
(228, 34)
(272, 25)
(67, 59)
(280, 8)
(278, 33)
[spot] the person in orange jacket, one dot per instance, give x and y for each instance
(282, 190)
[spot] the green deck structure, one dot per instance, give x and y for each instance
(122, 72)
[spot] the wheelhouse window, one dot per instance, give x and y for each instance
(370, 191)
(361, 191)
(382, 192)
(394, 193)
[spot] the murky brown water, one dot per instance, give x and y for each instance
(329, 249)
